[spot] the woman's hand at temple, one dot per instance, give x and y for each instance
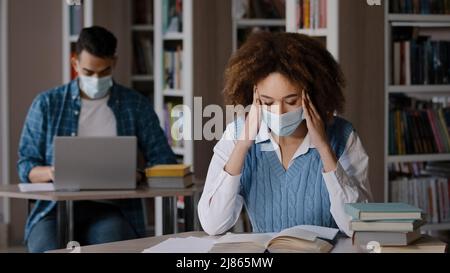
(316, 129)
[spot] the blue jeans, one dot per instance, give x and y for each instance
(94, 223)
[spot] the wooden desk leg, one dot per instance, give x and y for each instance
(196, 199)
(65, 223)
(62, 224)
(70, 224)
(169, 215)
(190, 213)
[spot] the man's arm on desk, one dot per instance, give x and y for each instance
(42, 174)
(31, 164)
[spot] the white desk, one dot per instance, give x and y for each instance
(65, 205)
(344, 245)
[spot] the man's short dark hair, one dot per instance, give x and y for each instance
(98, 41)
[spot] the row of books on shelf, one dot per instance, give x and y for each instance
(260, 9)
(391, 228)
(420, 6)
(419, 131)
(143, 54)
(418, 126)
(172, 16)
(429, 193)
(419, 169)
(142, 12)
(173, 68)
(312, 14)
(420, 60)
(173, 124)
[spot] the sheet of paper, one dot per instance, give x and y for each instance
(298, 232)
(322, 232)
(259, 238)
(183, 245)
(309, 232)
(36, 187)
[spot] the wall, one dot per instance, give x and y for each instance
(362, 59)
(4, 162)
(115, 16)
(212, 49)
(34, 66)
(2, 103)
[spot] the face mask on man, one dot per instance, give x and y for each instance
(285, 124)
(95, 88)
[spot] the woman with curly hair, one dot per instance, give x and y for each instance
(291, 160)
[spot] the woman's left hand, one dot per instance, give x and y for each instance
(316, 129)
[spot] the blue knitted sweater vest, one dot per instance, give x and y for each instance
(276, 198)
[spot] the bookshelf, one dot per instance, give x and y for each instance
(315, 18)
(142, 40)
(173, 80)
(254, 15)
(173, 73)
(75, 17)
(409, 73)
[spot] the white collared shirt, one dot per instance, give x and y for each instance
(221, 204)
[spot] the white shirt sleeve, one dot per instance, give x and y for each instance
(220, 204)
(349, 183)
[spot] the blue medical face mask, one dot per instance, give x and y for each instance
(285, 124)
(95, 88)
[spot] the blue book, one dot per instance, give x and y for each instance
(402, 225)
(382, 211)
(425, 6)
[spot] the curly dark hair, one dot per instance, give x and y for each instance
(301, 59)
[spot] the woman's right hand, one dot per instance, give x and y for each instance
(246, 139)
(252, 123)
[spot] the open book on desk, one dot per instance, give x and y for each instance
(302, 238)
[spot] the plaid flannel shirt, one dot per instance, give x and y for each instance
(55, 113)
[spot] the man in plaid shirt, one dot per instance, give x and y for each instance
(91, 105)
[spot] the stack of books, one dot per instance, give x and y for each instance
(169, 176)
(394, 227)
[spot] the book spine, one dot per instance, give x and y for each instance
(352, 211)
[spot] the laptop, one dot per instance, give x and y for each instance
(95, 163)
